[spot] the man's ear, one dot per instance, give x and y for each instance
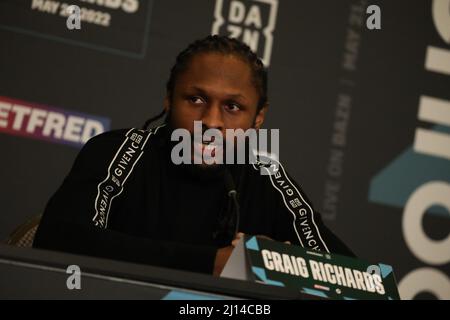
(259, 120)
(166, 102)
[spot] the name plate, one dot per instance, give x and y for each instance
(324, 275)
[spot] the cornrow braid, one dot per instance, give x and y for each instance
(224, 45)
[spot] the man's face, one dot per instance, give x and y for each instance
(218, 90)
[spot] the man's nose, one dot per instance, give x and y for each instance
(212, 117)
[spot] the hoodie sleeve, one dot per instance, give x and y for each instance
(295, 219)
(67, 223)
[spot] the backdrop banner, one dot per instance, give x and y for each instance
(363, 112)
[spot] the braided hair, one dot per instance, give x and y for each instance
(224, 45)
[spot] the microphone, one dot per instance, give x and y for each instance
(232, 194)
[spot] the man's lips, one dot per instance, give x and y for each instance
(204, 150)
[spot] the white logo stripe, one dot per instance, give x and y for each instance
(289, 208)
(284, 200)
(310, 208)
(109, 174)
(151, 132)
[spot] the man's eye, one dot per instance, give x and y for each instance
(196, 100)
(232, 107)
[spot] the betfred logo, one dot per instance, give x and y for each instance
(250, 21)
(27, 119)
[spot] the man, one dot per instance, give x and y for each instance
(126, 199)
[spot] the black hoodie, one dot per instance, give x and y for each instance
(124, 199)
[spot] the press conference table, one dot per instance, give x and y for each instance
(39, 274)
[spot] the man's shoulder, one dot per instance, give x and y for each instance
(112, 140)
(101, 149)
(271, 175)
(110, 137)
